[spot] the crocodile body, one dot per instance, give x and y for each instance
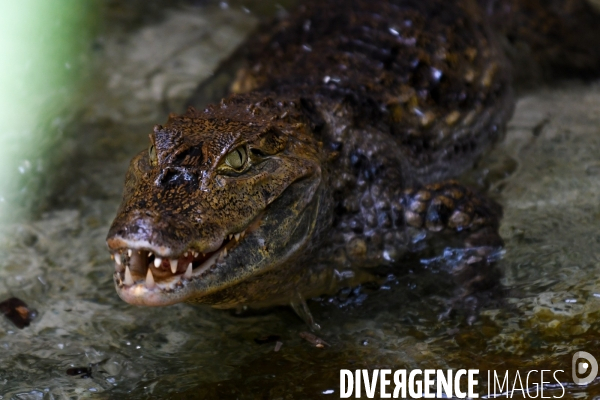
(332, 154)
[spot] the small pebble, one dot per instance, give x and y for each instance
(311, 338)
(278, 346)
(84, 372)
(17, 311)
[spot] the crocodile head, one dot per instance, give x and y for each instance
(221, 196)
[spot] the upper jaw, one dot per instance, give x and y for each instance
(118, 244)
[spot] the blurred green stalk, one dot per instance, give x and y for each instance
(43, 49)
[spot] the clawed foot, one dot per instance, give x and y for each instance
(299, 305)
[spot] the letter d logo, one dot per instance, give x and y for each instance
(580, 367)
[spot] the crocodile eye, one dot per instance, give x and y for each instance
(237, 158)
(152, 155)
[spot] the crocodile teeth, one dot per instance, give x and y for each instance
(150, 279)
(129, 252)
(243, 233)
(157, 262)
(119, 268)
(128, 278)
(188, 272)
(237, 236)
(150, 254)
(173, 265)
(195, 254)
(118, 258)
(222, 255)
(229, 237)
(185, 254)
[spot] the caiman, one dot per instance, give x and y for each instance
(336, 149)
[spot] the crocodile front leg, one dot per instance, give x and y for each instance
(449, 207)
(380, 224)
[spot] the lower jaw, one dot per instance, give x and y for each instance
(139, 294)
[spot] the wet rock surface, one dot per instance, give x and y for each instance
(546, 174)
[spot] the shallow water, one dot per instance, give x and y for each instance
(546, 174)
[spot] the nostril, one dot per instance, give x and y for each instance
(134, 227)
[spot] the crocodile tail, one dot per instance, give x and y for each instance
(549, 38)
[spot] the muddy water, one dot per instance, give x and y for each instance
(546, 174)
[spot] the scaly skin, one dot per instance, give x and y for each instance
(353, 114)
